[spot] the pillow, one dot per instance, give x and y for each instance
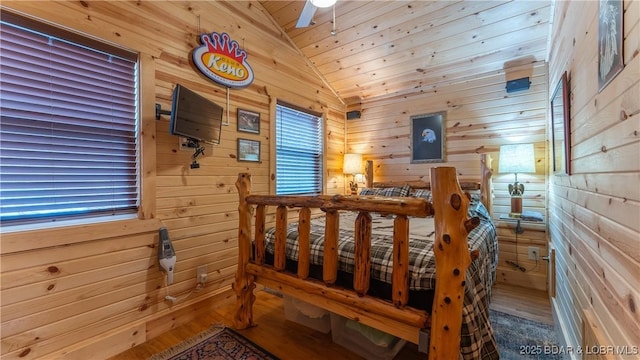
(405, 190)
(368, 191)
(422, 193)
(394, 191)
(402, 191)
(477, 208)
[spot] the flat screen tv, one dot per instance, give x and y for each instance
(195, 117)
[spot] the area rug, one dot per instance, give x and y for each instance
(520, 338)
(219, 343)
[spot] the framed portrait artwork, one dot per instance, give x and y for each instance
(610, 32)
(248, 121)
(248, 150)
(427, 138)
(560, 130)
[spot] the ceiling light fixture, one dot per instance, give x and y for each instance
(323, 3)
(333, 23)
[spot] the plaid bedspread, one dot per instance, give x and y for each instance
(477, 341)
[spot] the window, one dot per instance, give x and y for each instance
(299, 151)
(68, 125)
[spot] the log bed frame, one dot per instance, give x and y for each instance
(452, 256)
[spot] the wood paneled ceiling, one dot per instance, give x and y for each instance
(397, 48)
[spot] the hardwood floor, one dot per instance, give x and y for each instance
(289, 340)
(522, 302)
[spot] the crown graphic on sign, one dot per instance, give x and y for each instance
(220, 59)
(222, 44)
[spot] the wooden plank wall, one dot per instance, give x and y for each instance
(97, 289)
(480, 116)
(595, 212)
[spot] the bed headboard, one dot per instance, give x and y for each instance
(484, 185)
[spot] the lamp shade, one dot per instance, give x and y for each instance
(322, 3)
(517, 158)
(352, 164)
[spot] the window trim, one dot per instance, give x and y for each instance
(147, 137)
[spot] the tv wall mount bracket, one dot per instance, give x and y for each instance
(159, 111)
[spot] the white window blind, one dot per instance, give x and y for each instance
(299, 152)
(68, 127)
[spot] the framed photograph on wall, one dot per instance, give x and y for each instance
(560, 130)
(248, 121)
(427, 138)
(610, 33)
(248, 150)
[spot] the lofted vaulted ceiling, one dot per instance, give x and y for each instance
(396, 48)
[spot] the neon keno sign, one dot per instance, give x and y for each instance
(220, 59)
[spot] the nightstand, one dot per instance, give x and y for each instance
(522, 246)
(515, 220)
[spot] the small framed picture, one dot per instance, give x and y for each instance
(248, 150)
(427, 138)
(610, 34)
(248, 121)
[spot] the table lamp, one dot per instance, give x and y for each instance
(516, 158)
(352, 166)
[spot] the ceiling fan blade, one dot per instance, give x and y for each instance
(306, 15)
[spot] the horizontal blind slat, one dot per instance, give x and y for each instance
(298, 152)
(68, 129)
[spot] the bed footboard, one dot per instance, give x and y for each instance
(450, 206)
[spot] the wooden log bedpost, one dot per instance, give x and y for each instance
(244, 282)
(486, 188)
(368, 169)
(451, 252)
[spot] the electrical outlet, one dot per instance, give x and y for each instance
(201, 274)
(534, 253)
